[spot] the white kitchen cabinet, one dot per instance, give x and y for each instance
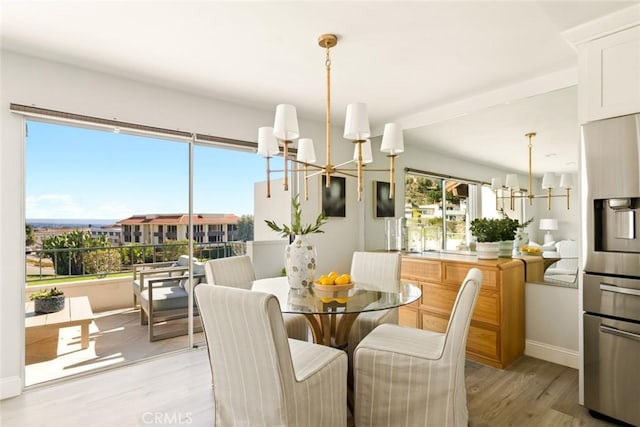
(610, 75)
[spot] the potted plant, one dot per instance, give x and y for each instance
(47, 301)
(300, 255)
(487, 234)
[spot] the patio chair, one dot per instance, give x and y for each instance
(407, 376)
(142, 273)
(237, 272)
(167, 298)
(260, 377)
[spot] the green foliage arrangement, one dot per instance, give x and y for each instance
(46, 293)
(496, 229)
(486, 229)
(296, 227)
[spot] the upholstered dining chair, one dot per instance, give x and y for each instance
(377, 271)
(259, 376)
(410, 377)
(238, 272)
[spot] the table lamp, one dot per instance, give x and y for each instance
(548, 224)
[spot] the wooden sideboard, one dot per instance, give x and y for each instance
(497, 335)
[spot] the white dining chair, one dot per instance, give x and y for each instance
(377, 271)
(259, 376)
(412, 377)
(238, 272)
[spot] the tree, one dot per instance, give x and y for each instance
(70, 262)
(245, 228)
(30, 235)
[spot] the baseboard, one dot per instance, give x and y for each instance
(551, 353)
(10, 387)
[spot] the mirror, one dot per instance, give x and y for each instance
(494, 138)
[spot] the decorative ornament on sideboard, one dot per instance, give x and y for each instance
(300, 255)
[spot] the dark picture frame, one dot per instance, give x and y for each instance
(334, 198)
(384, 206)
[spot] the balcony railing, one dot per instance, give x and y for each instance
(46, 264)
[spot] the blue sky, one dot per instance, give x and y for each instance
(83, 173)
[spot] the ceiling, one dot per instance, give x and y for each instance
(406, 60)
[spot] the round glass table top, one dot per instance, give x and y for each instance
(356, 299)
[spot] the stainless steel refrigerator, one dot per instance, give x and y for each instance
(611, 280)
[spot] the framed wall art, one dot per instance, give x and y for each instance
(384, 206)
(334, 197)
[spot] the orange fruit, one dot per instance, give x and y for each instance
(343, 279)
(326, 280)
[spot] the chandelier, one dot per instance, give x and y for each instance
(285, 130)
(512, 186)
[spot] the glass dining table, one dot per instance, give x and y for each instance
(331, 314)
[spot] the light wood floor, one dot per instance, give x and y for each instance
(176, 390)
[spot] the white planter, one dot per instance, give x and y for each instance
(505, 248)
(300, 263)
(487, 250)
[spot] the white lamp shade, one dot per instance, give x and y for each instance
(392, 139)
(306, 152)
(356, 124)
(367, 156)
(267, 142)
(548, 180)
(548, 224)
(496, 184)
(512, 182)
(285, 125)
(566, 180)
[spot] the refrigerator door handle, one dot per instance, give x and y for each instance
(619, 290)
(619, 333)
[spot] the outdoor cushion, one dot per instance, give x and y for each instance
(166, 298)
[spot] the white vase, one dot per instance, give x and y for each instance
(300, 263)
(505, 248)
(487, 250)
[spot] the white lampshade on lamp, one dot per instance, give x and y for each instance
(285, 125)
(392, 139)
(392, 144)
(356, 123)
(367, 155)
(306, 152)
(548, 224)
(267, 142)
(548, 180)
(512, 182)
(496, 184)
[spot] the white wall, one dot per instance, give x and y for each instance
(46, 84)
